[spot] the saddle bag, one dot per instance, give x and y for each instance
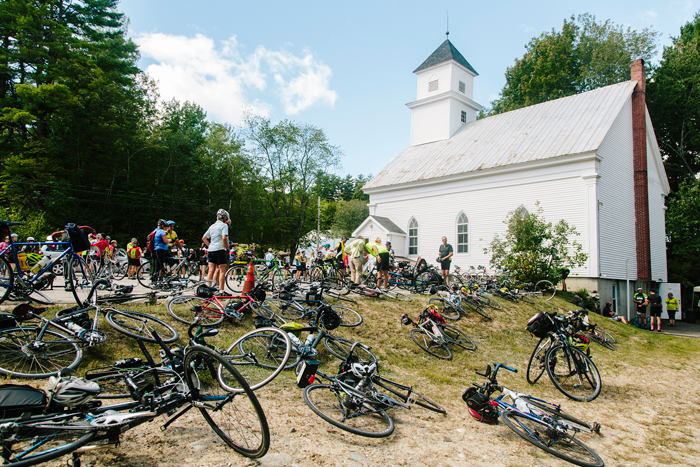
(16, 400)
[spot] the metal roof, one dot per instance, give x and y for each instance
(444, 53)
(570, 125)
(388, 224)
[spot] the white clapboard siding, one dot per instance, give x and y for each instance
(487, 204)
(658, 190)
(616, 193)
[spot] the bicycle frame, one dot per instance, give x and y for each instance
(15, 261)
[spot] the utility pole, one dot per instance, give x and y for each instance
(318, 225)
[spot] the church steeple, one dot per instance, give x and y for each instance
(444, 99)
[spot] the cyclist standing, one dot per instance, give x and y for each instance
(134, 253)
(172, 236)
(160, 246)
(445, 259)
(216, 240)
(640, 298)
(341, 256)
(382, 255)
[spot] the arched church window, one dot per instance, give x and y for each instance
(462, 233)
(413, 237)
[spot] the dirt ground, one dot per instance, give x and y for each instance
(642, 426)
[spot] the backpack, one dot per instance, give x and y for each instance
(150, 241)
(540, 325)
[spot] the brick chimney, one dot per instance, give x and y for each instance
(641, 186)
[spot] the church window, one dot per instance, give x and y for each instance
(433, 85)
(522, 211)
(462, 234)
(462, 87)
(464, 117)
(413, 237)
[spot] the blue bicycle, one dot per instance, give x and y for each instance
(535, 420)
(19, 282)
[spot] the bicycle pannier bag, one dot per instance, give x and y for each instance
(540, 325)
(150, 246)
(18, 399)
(314, 293)
(479, 406)
(78, 238)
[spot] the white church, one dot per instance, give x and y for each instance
(591, 159)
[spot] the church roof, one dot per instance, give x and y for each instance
(570, 125)
(388, 224)
(444, 53)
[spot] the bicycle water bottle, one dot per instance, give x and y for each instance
(521, 405)
(309, 340)
(44, 261)
(295, 340)
(74, 327)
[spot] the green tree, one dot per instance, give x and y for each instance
(673, 98)
(683, 227)
(584, 55)
(533, 249)
(349, 216)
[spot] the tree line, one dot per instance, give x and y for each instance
(85, 138)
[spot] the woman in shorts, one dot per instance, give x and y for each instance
(216, 240)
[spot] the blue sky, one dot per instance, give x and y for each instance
(347, 68)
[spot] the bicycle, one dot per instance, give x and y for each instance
(289, 307)
(434, 336)
(43, 350)
(19, 283)
(182, 274)
(454, 303)
(537, 421)
(571, 371)
(193, 380)
(351, 401)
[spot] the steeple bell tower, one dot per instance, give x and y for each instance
(444, 101)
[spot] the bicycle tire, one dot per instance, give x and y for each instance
(411, 397)
(478, 308)
(538, 358)
(555, 410)
(263, 355)
(188, 309)
(38, 444)
(332, 405)
(7, 279)
(114, 386)
(426, 280)
(490, 302)
(446, 309)
(22, 357)
(573, 373)
(340, 348)
(235, 279)
(394, 295)
(426, 343)
(598, 339)
(40, 298)
(453, 279)
(546, 288)
(535, 432)
(236, 417)
(458, 338)
(526, 298)
(143, 275)
(349, 318)
(117, 271)
(140, 326)
(285, 309)
(605, 335)
(80, 280)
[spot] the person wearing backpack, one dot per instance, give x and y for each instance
(160, 243)
(134, 253)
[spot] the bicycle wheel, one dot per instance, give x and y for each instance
(143, 274)
(573, 373)
(7, 279)
(35, 444)
(600, 340)
(235, 279)
(407, 394)
(562, 445)
(349, 318)
(535, 366)
(425, 281)
(546, 289)
(113, 384)
(80, 280)
(188, 309)
(555, 411)
(349, 413)
(603, 334)
(454, 279)
(525, 298)
(260, 310)
(141, 326)
(446, 308)
(285, 309)
(117, 271)
(490, 302)
(479, 308)
(397, 296)
(23, 356)
(458, 338)
(236, 417)
(340, 348)
(425, 342)
(263, 354)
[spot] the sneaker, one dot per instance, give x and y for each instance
(652, 329)
(658, 329)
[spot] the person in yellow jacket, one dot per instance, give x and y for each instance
(671, 308)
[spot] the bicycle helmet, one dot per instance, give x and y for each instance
(71, 391)
(328, 318)
(161, 222)
(580, 342)
(173, 223)
(222, 215)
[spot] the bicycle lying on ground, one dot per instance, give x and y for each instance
(352, 401)
(40, 351)
(432, 335)
(457, 300)
(197, 377)
(539, 422)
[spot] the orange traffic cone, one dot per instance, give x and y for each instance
(249, 279)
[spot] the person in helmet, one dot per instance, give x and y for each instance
(216, 240)
(174, 242)
(160, 246)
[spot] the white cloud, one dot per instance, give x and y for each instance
(222, 81)
(649, 15)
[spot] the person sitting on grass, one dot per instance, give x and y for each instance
(609, 313)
